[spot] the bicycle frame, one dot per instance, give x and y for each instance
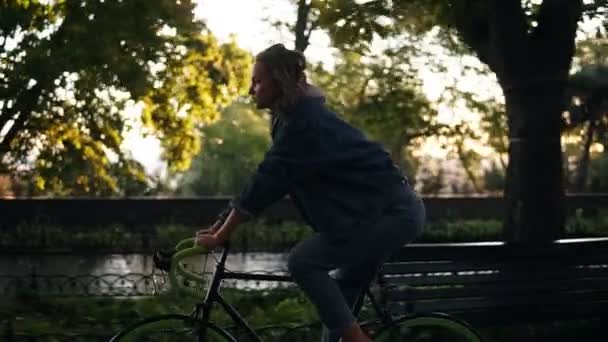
(213, 296)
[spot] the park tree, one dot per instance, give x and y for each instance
(587, 113)
(232, 147)
(69, 69)
(529, 45)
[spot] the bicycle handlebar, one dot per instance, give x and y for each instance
(185, 248)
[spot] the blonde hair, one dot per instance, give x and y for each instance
(287, 68)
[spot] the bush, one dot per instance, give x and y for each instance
(258, 235)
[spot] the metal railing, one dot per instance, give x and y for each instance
(107, 285)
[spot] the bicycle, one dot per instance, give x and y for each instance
(198, 326)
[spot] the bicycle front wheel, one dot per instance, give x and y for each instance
(428, 328)
(172, 328)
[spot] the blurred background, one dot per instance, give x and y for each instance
(125, 125)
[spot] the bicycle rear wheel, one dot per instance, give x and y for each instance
(427, 328)
(172, 328)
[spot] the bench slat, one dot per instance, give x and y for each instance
(498, 303)
(500, 251)
(467, 277)
(488, 316)
(447, 266)
(404, 293)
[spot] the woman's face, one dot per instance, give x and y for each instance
(263, 89)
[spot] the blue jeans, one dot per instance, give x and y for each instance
(356, 260)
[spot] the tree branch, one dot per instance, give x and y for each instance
(508, 33)
(425, 132)
(592, 8)
(510, 22)
(302, 42)
(555, 35)
(471, 21)
(313, 26)
(24, 105)
(4, 117)
(361, 95)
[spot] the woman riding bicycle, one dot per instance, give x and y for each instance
(346, 188)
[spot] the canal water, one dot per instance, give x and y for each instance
(97, 264)
(119, 274)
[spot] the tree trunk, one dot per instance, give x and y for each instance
(467, 167)
(583, 166)
(534, 190)
(532, 65)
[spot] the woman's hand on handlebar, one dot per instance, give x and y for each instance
(210, 230)
(222, 234)
(209, 240)
(208, 237)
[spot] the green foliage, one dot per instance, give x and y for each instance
(494, 179)
(591, 52)
(206, 78)
(232, 148)
(70, 69)
(259, 236)
(462, 231)
(103, 316)
(264, 236)
(169, 235)
(44, 315)
(584, 224)
(46, 236)
(599, 173)
(586, 117)
(353, 26)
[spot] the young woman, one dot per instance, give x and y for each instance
(345, 186)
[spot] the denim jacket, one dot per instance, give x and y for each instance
(337, 179)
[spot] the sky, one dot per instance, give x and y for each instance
(252, 31)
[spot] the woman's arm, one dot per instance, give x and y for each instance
(217, 237)
(292, 155)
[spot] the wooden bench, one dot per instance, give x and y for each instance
(497, 283)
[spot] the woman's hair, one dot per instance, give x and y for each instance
(287, 68)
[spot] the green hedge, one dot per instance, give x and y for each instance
(257, 236)
(34, 315)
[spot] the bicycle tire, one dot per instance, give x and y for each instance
(169, 328)
(427, 328)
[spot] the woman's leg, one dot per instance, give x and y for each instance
(359, 255)
(309, 264)
(352, 282)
